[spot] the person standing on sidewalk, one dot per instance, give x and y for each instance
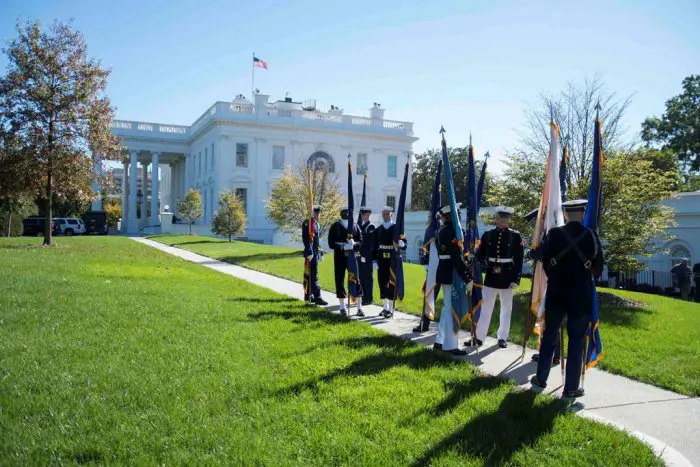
(502, 248)
(572, 256)
(311, 251)
(343, 247)
(366, 256)
(683, 276)
(383, 248)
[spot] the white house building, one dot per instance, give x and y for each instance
(244, 146)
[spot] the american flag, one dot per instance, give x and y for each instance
(260, 63)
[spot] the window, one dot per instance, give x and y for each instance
(391, 167)
(678, 253)
(391, 201)
(72, 222)
(199, 167)
(206, 160)
(277, 157)
(319, 161)
(361, 163)
(242, 194)
(241, 155)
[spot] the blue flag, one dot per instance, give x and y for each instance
(480, 187)
(353, 284)
(363, 203)
(459, 288)
(594, 346)
(396, 266)
(563, 169)
(430, 286)
(472, 235)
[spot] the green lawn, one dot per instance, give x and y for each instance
(113, 352)
(658, 343)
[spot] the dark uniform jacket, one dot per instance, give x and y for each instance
(384, 242)
(309, 248)
(338, 234)
(502, 250)
(569, 282)
(367, 247)
(450, 256)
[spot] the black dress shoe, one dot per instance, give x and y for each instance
(360, 313)
(502, 344)
(320, 301)
(384, 313)
(424, 325)
(536, 382)
(437, 346)
(573, 393)
(536, 357)
(469, 343)
(457, 352)
(556, 361)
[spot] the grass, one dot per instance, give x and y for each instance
(113, 352)
(658, 343)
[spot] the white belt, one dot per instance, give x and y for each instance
(444, 257)
(501, 260)
(386, 247)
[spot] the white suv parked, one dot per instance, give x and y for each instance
(69, 226)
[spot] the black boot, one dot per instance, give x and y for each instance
(424, 325)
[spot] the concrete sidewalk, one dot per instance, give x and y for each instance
(668, 421)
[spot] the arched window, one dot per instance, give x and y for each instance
(678, 252)
(319, 159)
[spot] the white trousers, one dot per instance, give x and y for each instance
(446, 334)
(489, 301)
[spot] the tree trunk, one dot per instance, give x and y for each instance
(49, 221)
(190, 223)
(229, 239)
(9, 224)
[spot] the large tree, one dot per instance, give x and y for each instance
(52, 101)
(574, 110)
(423, 176)
(288, 204)
(230, 219)
(678, 129)
(634, 182)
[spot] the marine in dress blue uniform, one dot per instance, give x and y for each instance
(342, 248)
(572, 256)
(383, 248)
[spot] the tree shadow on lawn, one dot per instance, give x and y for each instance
(297, 315)
(262, 257)
(623, 316)
(496, 435)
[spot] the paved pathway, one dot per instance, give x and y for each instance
(668, 421)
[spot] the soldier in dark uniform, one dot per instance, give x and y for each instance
(383, 247)
(342, 248)
(450, 261)
(311, 250)
(572, 256)
(696, 274)
(502, 250)
(531, 217)
(366, 256)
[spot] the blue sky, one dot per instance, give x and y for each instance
(470, 65)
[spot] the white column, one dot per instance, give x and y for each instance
(125, 195)
(154, 189)
(132, 224)
(144, 192)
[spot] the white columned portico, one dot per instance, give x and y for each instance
(154, 189)
(133, 223)
(125, 195)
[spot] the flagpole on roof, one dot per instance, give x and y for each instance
(252, 80)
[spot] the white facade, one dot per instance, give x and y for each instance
(244, 146)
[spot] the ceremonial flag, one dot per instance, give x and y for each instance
(550, 215)
(363, 203)
(563, 169)
(459, 288)
(472, 237)
(430, 288)
(353, 284)
(396, 265)
(310, 265)
(591, 219)
(260, 63)
(482, 179)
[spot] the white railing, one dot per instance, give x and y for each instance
(178, 130)
(121, 124)
(363, 121)
(241, 108)
(322, 117)
(286, 113)
(393, 125)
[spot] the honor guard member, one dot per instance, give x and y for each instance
(572, 256)
(366, 256)
(451, 260)
(311, 250)
(531, 217)
(383, 248)
(343, 247)
(502, 249)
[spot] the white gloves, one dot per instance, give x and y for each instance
(470, 286)
(310, 257)
(363, 260)
(347, 246)
(351, 242)
(402, 244)
(513, 285)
